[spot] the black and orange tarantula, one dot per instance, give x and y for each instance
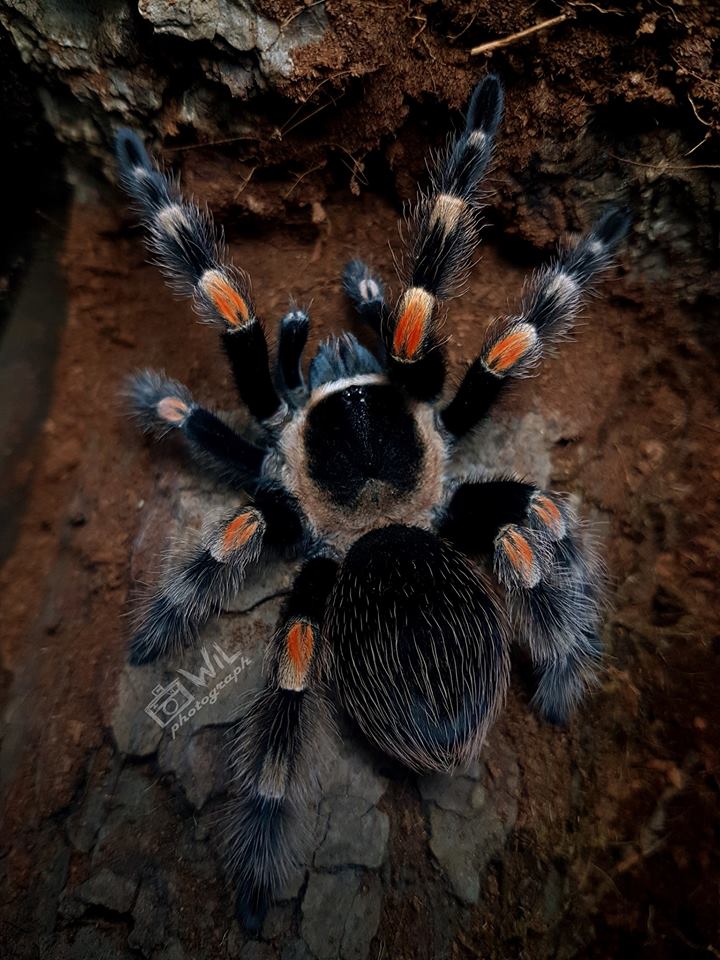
(390, 609)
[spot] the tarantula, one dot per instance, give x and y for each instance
(411, 585)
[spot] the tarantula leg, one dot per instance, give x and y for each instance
(162, 405)
(447, 233)
(275, 750)
(367, 292)
(198, 585)
(551, 581)
(246, 349)
(513, 346)
(292, 337)
(191, 251)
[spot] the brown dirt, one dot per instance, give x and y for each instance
(623, 806)
(621, 100)
(622, 97)
(615, 851)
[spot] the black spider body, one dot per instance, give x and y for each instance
(420, 644)
(412, 585)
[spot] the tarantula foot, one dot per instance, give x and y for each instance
(486, 106)
(361, 284)
(251, 910)
(563, 682)
(613, 225)
(164, 628)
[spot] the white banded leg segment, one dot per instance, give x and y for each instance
(448, 218)
(278, 748)
(198, 585)
(188, 246)
(159, 403)
(550, 577)
(362, 285)
(191, 251)
(551, 300)
(446, 228)
(367, 292)
(446, 213)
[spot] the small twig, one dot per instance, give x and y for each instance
(622, 461)
(683, 71)
(603, 10)
(432, 57)
(335, 76)
(258, 603)
(464, 29)
(667, 6)
(244, 183)
(48, 219)
(705, 123)
(506, 41)
(209, 143)
(323, 106)
(298, 12)
(357, 166)
(663, 167)
(698, 145)
(318, 166)
(423, 22)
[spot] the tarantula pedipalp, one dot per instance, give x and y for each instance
(390, 608)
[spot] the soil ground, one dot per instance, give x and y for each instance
(615, 848)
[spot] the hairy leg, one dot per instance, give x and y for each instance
(447, 233)
(534, 544)
(162, 405)
(197, 585)
(191, 251)
(292, 337)
(275, 750)
(367, 292)
(513, 346)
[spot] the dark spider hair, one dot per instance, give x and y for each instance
(390, 609)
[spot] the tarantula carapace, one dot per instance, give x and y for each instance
(411, 585)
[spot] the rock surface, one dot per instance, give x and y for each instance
(471, 817)
(341, 913)
(107, 889)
